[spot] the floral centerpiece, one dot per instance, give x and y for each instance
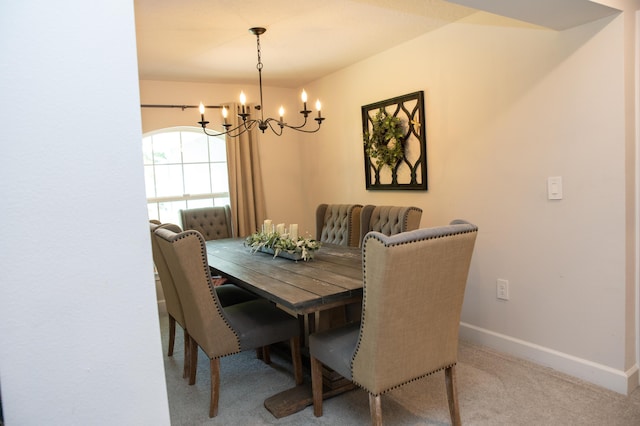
(281, 243)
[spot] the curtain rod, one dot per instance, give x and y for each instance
(183, 107)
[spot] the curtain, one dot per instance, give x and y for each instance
(248, 207)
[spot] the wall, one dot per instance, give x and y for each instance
(508, 105)
(78, 319)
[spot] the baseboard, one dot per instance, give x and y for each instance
(616, 380)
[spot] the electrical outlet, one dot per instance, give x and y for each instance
(502, 289)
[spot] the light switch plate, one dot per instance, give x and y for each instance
(554, 187)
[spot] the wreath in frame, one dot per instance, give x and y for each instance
(385, 141)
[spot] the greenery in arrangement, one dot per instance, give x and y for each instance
(305, 247)
(385, 142)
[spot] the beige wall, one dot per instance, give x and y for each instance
(507, 105)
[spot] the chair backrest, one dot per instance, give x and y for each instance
(422, 274)
(338, 224)
(172, 301)
(186, 257)
(389, 220)
(212, 222)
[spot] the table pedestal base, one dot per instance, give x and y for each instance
(300, 397)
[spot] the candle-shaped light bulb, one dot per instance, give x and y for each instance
(243, 100)
(304, 100)
(225, 113)
(201, 108)
(281, 112)
(318, 107)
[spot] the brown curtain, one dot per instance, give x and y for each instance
(248, 207)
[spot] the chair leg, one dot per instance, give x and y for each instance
(187, 345)
(316, 386)
(215, 386)
(296, 359)
(193, 361)
(172, 335)
(452, 395)
(266, 355)
(375, 408)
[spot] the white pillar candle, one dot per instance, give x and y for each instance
(280, 228)
(268, 226)
(293, 231)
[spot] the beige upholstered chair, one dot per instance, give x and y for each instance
(172, 302)
(389, 220)
(338, 224)
(421, 274)
(212, 222)
(221, 331)
(228, 294)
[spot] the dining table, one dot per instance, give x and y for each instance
(331, 279)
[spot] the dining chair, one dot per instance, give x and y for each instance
(221, 331)
(338, 224)
(171, 299)
(389, 220)
(413, 289)
(228, 294)
(212, 222)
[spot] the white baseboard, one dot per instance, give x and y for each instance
(616, 380)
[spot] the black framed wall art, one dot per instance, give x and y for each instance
(395, 143)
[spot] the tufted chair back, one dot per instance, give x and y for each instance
(423, 274)
(389, 220)
(212, 222)
(338, 224)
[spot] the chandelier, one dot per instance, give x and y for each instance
(244, 113)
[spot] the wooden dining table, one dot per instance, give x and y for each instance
(331, 279)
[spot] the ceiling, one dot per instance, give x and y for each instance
(209, 41)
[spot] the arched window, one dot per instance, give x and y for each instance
(183, 168)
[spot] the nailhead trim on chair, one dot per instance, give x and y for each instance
(203, 253)
(408, 381)
(378, 236)
(406, 217)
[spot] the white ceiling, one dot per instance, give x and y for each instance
(209, 41)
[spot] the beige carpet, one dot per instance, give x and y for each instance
(493, 389)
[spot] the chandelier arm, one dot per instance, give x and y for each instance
(298, 129)
(304, 123)
(240, 129)
(278, 129)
